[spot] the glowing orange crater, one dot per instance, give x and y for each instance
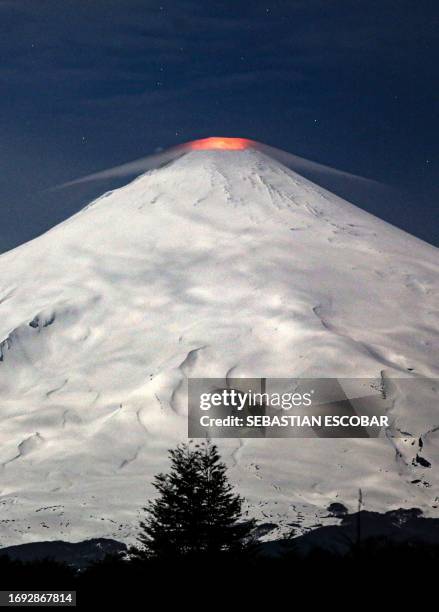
(216, 142)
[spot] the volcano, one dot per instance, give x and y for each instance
(222, 262)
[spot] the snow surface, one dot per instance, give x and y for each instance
(220, 262)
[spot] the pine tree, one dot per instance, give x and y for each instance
(196, 511)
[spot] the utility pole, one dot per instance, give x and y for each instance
(360, 503)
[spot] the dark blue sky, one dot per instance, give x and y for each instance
(90, 84)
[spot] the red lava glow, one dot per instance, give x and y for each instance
(216, 142)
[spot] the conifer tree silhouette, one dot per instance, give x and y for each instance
(196, 511)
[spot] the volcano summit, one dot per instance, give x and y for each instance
(222, 262)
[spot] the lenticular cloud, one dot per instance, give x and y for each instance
(327, 176)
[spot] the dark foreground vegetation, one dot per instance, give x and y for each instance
(196, 547)
(228, 579)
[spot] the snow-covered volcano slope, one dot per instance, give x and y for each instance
(221, 262)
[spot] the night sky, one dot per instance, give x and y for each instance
(87, 85)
